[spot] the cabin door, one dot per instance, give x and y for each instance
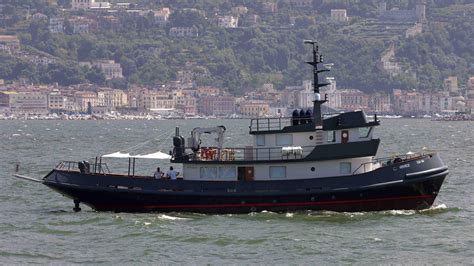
(344, 136)
(245, 173)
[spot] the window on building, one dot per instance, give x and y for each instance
(277, 171)
(345, 168)
(331, 136)
(260, 140)
(227, 172)
(208, 172)
(284, 140)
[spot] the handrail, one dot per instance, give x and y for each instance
(391, 160)
(278, 123)
(250, 153)
(73, 166)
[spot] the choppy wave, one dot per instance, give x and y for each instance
(38, 225)
(172, 218)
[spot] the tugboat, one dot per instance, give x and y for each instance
(310, 161)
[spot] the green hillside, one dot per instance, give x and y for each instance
(247, 56)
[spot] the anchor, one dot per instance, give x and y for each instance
(76, 206)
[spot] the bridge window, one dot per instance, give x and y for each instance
(345, 168)
(277, 171)
(260, 140)
(331, 136)
(227, 172)
(364, 132)
(284, 139)
(208, 172)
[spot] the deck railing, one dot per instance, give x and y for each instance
(251, 153)
(278, 123)
(386, 161)
(97, 167)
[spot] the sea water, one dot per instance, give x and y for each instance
(38, 225)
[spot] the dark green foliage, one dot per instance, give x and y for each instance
(246, 57)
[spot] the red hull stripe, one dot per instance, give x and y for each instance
(196, 206)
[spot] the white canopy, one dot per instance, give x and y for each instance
(117, 155)
(156, 155)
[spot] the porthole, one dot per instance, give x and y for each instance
(311, 137)
(313, 169)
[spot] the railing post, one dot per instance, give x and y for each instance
(269, 156)
(268, 121)
(257, 124)
(279, 123)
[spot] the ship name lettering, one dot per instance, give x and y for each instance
(404, 166)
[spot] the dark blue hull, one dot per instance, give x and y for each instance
(391, 187)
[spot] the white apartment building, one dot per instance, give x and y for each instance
(30, 103)
(228, 22)
(89, 4)
(110, 69)
(339, 15)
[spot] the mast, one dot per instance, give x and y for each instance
(317, 102)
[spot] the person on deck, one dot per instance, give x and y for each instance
(171, 174)
(158, 174)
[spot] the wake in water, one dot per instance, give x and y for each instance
(172, 218)
(337, 216)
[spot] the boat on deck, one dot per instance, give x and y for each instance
(310, 161)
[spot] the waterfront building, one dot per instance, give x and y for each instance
(352, 99)
(28, 103)
(380, 103)
(190, 105)
(61, 102)
(334, 95)
(305, 96)
(216, 105)
(289, 96)
(255, 108)
(112, 98)
(155, 99)
(85, 99)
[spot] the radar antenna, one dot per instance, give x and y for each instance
(317, 102)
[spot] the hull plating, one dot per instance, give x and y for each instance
(411, 187)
